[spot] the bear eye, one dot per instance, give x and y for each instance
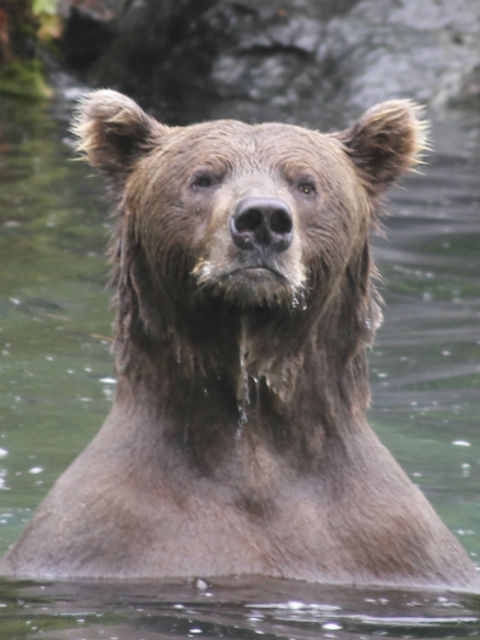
(203, 180)
(307, 188)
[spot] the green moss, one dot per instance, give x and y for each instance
(44, 6)
(48, 21)
(24, 78)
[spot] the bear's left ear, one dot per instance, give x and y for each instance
(113, 132)
(386, 142)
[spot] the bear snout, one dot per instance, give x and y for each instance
(264, 223)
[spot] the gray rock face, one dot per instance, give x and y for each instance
(299, 60)
(421, 50)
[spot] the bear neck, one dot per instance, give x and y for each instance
(293, 380)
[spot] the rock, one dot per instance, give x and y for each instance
(89, 27)
(304, 60)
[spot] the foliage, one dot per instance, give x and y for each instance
(48, 7)
(24, 78)
(49, 27)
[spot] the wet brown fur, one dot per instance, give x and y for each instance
(238, 441)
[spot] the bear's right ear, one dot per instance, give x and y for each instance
(113, 131)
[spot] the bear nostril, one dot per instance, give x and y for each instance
(248, 220)
(281, 221)
(262, 223)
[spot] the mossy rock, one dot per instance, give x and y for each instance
(24, 78)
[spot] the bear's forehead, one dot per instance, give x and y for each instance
(234, 142)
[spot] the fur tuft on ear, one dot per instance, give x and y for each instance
(386, 141)
(112, 131)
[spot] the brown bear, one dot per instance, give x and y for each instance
(238, 441)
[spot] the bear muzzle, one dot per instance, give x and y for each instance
(253, 258)
(263, 224)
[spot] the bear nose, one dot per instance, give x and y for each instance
(261, 223)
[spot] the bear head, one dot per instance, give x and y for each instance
(249, 217)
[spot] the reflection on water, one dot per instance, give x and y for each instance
(237, 608)
(56, 381)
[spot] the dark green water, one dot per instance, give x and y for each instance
(56, 386)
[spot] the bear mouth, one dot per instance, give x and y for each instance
(258, 275)
(256, 271)
(250, 281)
(252, 286)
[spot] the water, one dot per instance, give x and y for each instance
(241, 609)
(56, 381)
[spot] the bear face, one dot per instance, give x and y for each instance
(249, 213)
(262, 215)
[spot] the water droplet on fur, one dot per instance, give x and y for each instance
(256, 384)
(243, 395)
(241, 422)
(298, 301)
